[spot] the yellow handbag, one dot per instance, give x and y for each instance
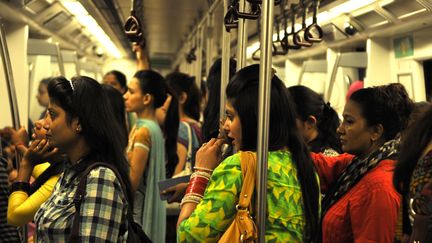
(243, 228)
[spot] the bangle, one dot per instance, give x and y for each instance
(197, 185)
(191, 199)
(20, 186)
(201, 174)
(203, 169)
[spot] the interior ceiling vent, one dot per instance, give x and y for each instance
(58, 20)
(403, 9)
(75, 33)
(36, 6)
(371, 19)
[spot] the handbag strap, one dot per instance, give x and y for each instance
(80, 193)
(189, 150)
(248, 167)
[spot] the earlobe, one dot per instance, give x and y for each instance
(183, 97)
(147, 99)
(311, 122)
(377, 133)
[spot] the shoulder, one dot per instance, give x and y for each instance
(380, 178)
(103, 176)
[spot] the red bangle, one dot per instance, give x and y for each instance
(197, 185)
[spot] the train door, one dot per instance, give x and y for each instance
(70, 63)
(44, 60)
(346, 67)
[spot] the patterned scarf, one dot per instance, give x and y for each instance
(355, 172)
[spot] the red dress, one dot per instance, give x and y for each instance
(368, 211)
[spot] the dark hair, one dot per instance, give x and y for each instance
(117, 103)
(413, 144)
(153, 83)
(121, 78)
(170, 129)
(210, 128)
(309, 103)
(181, 82)
(45, 81)
(89, 103)
(388, 105)
(242, 92)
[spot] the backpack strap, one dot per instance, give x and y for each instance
(80, 193)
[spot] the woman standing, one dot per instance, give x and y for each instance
(292, 188)
(361, 204)
(146, 151)
(82, 125)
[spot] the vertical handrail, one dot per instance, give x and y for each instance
(9, 79)
(60, 61)
(241, 38)
(209, 43)
(12, 101)
(333, 76)
(77, 66)
(226, 40)
(264, 114)
(199, 62)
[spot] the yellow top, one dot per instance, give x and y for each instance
(21, 207)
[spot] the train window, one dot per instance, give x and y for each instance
(427, 67)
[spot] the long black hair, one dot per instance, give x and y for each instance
(84, 98)
(413, 144)
(170, 129)
(210, 127)
(154, 84)
(242, 93)
(309, 103)
(181, 82)
(117, 103)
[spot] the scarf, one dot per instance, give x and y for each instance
(355, 172)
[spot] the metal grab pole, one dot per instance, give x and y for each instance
(209, 43)
(9, 79)
(226, 40)
(264, 114)
(241, 38)
(60, 61)
(12, 101)
(199, 50)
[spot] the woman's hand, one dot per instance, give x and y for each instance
(38, 152)
(209, 155)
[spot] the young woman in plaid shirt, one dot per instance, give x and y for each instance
(82, 125)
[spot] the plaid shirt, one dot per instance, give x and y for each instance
(102, 215)
(8, 233)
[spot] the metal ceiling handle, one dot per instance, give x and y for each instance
(255, 8)
(133, 28)
(276, 2)
(299, 35)
(288, 39)
(313, 32)
(278, 42)
(231, 18)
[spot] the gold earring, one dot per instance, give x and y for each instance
(78, 129)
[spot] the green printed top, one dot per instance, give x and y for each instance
(216, 211)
